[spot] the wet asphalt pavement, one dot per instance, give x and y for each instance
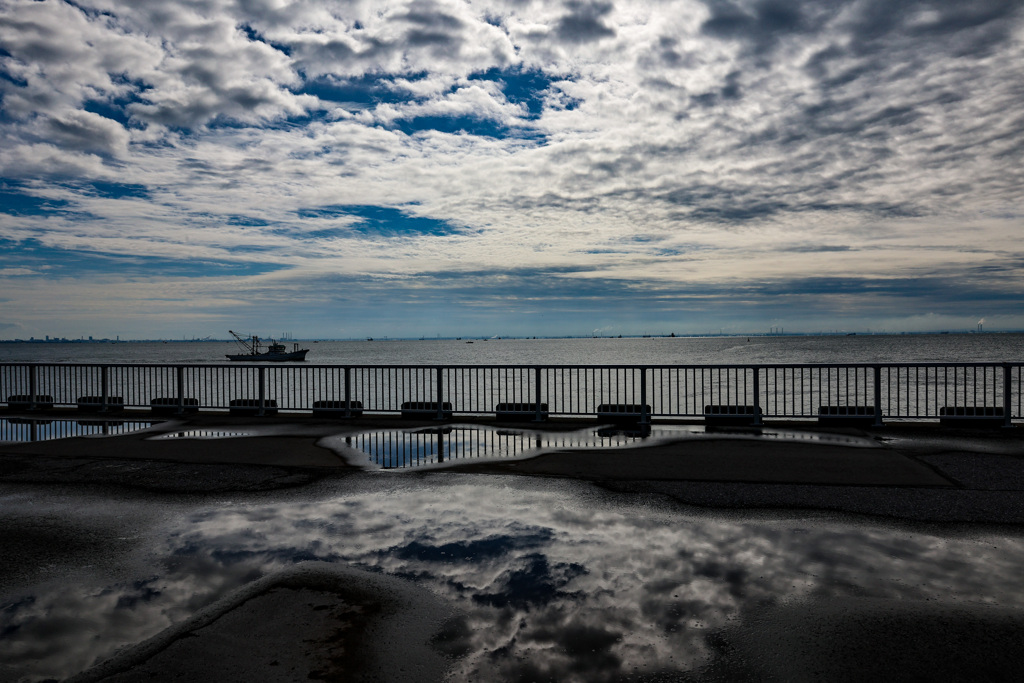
(119, 566)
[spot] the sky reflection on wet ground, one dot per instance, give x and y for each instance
(552, 580)
(455, 444)
(32, 429)
(203, 434)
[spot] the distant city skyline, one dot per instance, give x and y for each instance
(285, 337)
(519, 168)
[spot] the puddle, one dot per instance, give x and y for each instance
(442, 446)
(201, 434)
(550, 581)
(17, 429)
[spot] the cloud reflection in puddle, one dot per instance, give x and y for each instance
(552, 580)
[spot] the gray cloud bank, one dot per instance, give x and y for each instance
(677, 156)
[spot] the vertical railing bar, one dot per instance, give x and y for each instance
(105, 384)
(757, 393)
(680, 386)
(795, 392)
(878, 395)
(33, 386)
(263, 390)
(644, 417)
(689, 381)
(899, 403)
(931, 399)
(179, 372)
(536, 398)
(1007, 396)
(815, 373)
(348, 391)
(828, 385)
(585, 386)
(741, 400)
(440, 393)
(703, 394)
(803, 392)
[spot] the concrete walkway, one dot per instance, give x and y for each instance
(908, 470)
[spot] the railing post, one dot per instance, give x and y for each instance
(878, 396)
(180, 372)
(348, 391)
(440, 394)
(536, 394)
(32, 388)
(105, 384)
(1007, 396)
(757, 397)
(263, 389)
(645, 418)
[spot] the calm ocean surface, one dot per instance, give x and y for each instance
(951, 348)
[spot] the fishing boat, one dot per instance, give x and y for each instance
(273, 352)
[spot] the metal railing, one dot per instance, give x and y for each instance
(792, 391)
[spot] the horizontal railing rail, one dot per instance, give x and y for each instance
(876, 391)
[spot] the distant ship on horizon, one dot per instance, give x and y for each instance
(275, 352)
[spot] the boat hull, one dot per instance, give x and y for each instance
(299, 355)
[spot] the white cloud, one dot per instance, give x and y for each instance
(85, 131)
(47, 160)
(675, 143)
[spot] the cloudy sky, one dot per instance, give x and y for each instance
(509, 167)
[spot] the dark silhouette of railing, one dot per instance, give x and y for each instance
(846, 393)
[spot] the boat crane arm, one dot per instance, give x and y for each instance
(250, 345)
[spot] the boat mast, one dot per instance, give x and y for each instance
(252, 348)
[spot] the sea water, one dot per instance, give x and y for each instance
(942, 348)
(685, 393)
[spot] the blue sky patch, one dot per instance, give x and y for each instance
(14, 202)
(365, 90)
(381, 220)
(90, 12)
(454, 125)
(328, 233)
(7, 76)
(257, 37)
(56, 263)
(112, 110)
(117, 190)
(253, 249)
(246, 221)
(525, 87)
(116, 108)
